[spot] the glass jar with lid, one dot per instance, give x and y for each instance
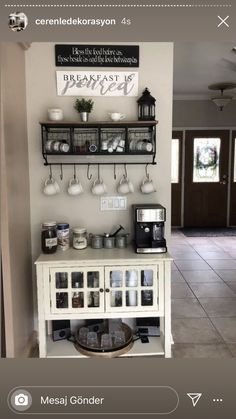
(63, 236)
(79, 238)
(49, 237)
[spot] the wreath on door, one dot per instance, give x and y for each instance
(206, 157)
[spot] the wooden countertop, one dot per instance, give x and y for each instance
(101, 257)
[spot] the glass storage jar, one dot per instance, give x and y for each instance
(49, 237)
(79, 238)
(63, 236)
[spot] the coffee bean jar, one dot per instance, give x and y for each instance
(49, 237)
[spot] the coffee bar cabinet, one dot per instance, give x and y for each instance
(103, 284)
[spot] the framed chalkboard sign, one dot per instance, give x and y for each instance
(97, 55)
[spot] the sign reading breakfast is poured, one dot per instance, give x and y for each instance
(97, 83)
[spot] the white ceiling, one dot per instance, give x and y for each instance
(197, 65)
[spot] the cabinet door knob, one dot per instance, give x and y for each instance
(101, 290)
(107, 290)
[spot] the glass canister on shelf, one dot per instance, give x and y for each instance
(79, 238)
(49, 237)
(63, 236)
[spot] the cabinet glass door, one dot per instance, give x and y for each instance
(77, 290)
(131, 288)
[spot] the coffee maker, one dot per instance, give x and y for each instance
(149, 222)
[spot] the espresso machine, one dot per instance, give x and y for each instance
(149, 225)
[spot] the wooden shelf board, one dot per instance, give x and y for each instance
(65, 349)
(98, 123)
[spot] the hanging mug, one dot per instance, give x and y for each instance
(147, 186)
(51, 187)
(75, 187)
(99, 187)
(125, 186)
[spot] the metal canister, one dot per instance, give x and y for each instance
(121, 241)
(96, 241)
(63, 236)
(109, 242)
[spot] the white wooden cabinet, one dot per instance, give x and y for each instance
(104, 283)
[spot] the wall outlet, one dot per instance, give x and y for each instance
(113, 203)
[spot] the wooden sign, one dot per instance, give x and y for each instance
(97, 55)
(97, 83)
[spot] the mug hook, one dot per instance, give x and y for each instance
(89, 176)
(99, 172)
(50, 171)
(61, 175)
(126, 174)
(74, 171)
(114, 171)
(146, 171)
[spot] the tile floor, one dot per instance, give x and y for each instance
(203, 296)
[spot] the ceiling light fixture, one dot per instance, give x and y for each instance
(222, 100)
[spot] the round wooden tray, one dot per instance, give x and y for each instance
(103, 353)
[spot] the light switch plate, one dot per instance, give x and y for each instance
(113, 203)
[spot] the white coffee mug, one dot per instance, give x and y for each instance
(147, 186)
(116, 116)
(49, 144)
(104, 145)
(120, 149)
(75, 187)
(99, 187)
(64, 147)
(51, 187)
(125, 186)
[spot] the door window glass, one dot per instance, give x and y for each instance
(116, 279)
(175, 161)
(206, 160)
(77, 279)
(61, 280)
(131, 278)
(93, 299)
(93, 279)
(78, 299)
(62, 300)
(116, 298)
(147, 278)
(131, 298)
(147, 298)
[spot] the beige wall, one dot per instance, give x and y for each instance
(15, 203)
(156, 68)
(202, 113)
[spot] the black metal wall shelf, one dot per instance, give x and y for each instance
(98, 139)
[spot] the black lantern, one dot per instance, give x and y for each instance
(146, 106)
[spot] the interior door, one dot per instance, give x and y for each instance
(206, 178)
(233, 183)
(176, 177)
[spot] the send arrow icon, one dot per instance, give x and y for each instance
(195, 397)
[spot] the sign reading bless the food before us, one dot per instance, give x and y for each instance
(97, 83)
(96, 55)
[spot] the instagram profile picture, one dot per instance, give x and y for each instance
(17, 21)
